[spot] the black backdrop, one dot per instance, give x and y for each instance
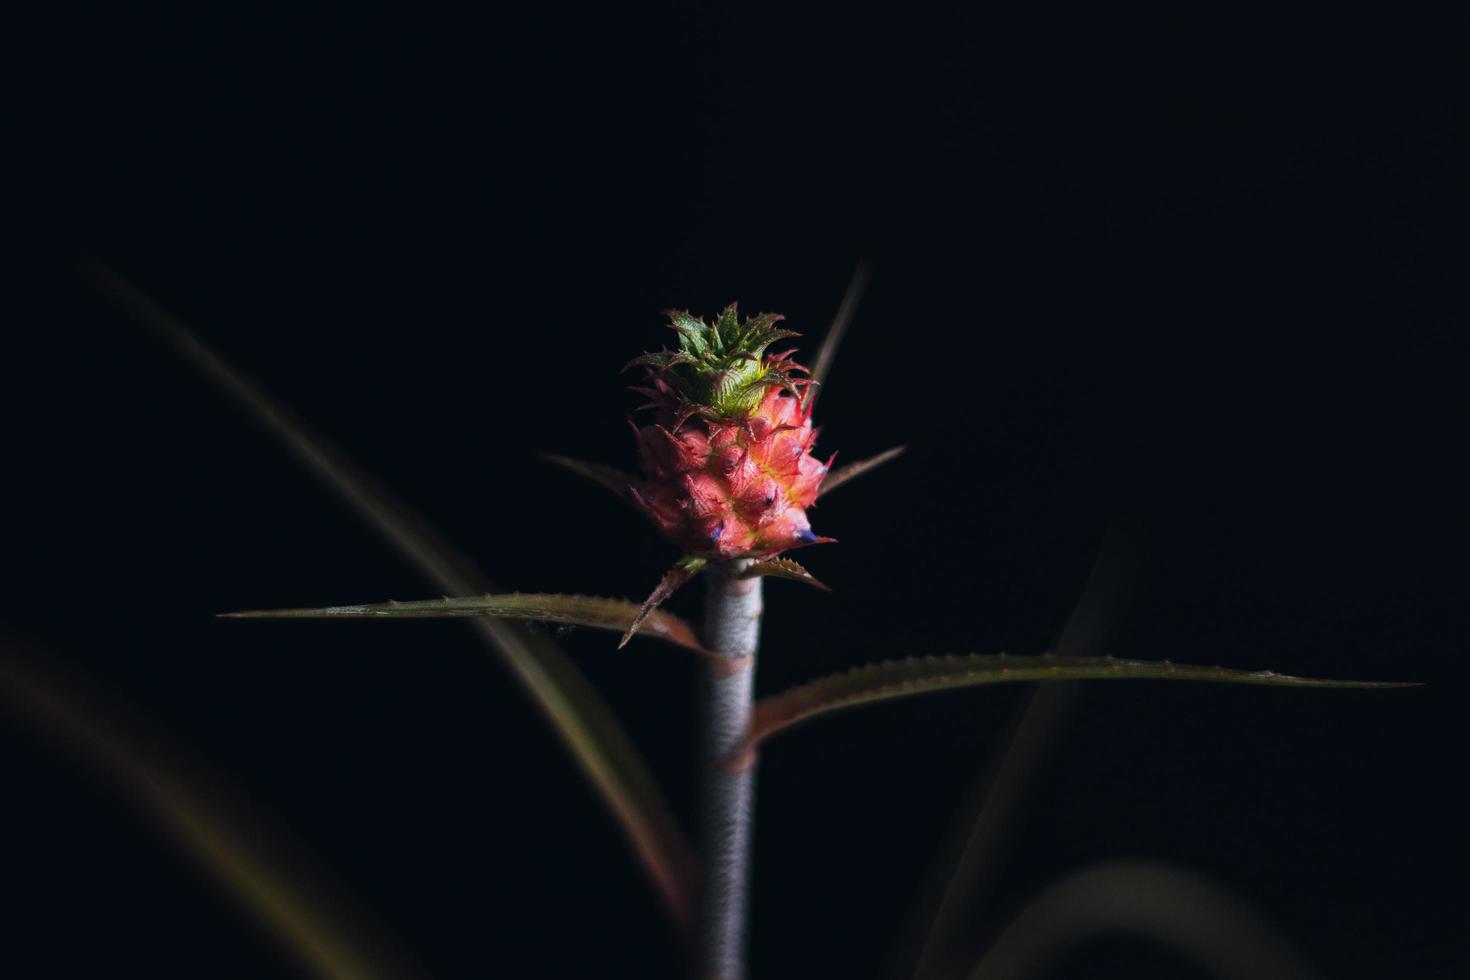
(1205, 274)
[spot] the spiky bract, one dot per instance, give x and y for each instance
(727, 464)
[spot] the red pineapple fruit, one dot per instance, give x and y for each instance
(727, 465)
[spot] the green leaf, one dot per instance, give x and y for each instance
(691, 330)
(684, 570)
(609, 477)
(920, 675)
(596, 612)
(659, 360)
(569, 702)
(783, 568)
(842, 474)
(727, 329)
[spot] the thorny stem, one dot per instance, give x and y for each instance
(732, 617)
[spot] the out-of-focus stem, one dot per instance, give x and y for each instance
(731, 630)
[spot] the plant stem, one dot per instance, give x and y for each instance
(732, 619)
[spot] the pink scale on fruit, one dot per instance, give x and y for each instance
(728, 484)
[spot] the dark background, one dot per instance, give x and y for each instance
(1204, 273)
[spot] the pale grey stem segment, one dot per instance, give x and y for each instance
(732, 619)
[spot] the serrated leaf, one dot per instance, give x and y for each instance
(921, 675)
(659, 360)
(851, 471)
(963, 873)
(573, 707)
(727, 328)
(691, 331)
(609, 477)
(684, 570)
(783, 568)
(596, 612)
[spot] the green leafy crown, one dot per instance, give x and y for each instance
(721, 367)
